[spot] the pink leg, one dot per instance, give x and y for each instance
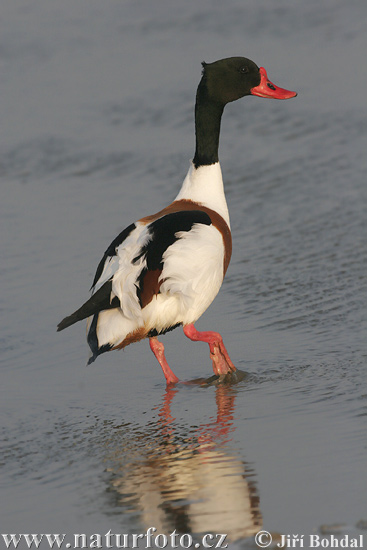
(158, 350)
(222, 363)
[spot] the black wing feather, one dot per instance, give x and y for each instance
(111, 250)
(164, 234)
(100, 301)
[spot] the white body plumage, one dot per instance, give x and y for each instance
(191, 272)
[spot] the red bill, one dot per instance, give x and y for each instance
(268, 89)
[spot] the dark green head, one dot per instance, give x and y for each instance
(230, 79)
(224, 81)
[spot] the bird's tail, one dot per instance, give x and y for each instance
(71, 319)
(99, 301)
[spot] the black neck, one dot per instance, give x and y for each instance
(208, 114)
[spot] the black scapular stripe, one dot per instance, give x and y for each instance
(99, 301)
(111, 250)
(163, 234)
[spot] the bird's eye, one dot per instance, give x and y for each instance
(244, 70)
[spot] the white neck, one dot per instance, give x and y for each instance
(204, 185)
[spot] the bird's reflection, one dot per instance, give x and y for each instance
(187, 479)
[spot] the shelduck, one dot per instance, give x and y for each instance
(164, 270)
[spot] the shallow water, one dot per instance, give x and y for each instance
(97, 130)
